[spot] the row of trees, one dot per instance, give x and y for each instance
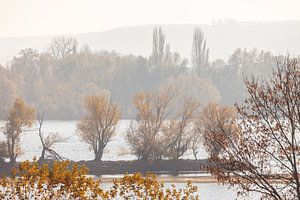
(169, 121)
(57, 80)
(254, 146)
(162, 127)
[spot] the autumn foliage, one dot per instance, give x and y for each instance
(99, 125)
(261, 153)
(20, 116)
(63, 180)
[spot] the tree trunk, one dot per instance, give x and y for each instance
(98, 155)
(2, 161)
(195, 154)
(145, 157)
(12, 158)
(42, 157)
(176, 157)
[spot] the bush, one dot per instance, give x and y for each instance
(62, 180)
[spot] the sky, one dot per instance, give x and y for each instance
(50, 17)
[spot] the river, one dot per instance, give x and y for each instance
(75, 149)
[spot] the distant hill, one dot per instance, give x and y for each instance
(222, 39)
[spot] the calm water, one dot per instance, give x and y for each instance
(206, 191)
(74, 148)
(117, 149)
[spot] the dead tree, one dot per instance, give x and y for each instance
(49, 141)
(60, 47)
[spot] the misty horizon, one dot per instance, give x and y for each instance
(73, 17)
(222, 38)
(214, 22)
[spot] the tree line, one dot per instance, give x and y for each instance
(253, 146)
(161, 129)
(57, 79)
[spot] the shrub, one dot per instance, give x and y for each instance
(63, 180)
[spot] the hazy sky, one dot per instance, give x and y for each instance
(44, 17)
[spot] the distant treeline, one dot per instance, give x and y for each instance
(57, 80)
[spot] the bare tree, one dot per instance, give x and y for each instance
(178, 132)
(196, 140)
(200, 52)
(215, 121)
(20, 116)
(60, 47)
(263, 153)
(98, 126)
(145, 133)
(49, 141)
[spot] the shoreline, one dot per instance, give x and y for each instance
(173, 179)
(174, 168)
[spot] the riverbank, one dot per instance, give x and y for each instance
(100, 168)
(157, 167)
(207, 178)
